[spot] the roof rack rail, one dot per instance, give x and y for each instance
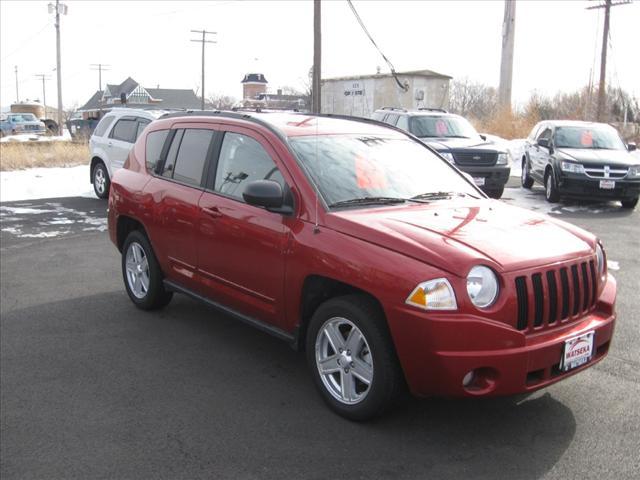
(430, 109)
(397, 109)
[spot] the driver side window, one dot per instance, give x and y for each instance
(243, 160)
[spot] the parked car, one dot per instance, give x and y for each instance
(581, 159)
(111, 142)
(454, 138)
(18, 123)
(356, 243)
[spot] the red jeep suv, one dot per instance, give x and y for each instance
(357, 243)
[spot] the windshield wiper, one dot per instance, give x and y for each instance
(439, 195)
(368, 201)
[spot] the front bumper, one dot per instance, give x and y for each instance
(495, 176)
(579, 185)
(437, 351)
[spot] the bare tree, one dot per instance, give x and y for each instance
(472, 99)
(219, 101)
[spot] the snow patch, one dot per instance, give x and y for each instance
(613, 265)
(36, 183)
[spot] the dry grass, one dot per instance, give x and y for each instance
(21, 155)
(507, 125)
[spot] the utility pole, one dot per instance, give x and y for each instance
(603, 55)
(17, 95)
(203, 41)
(44, 78)
(316, 104)
(58, 8)
(506, 64)
(100, 67)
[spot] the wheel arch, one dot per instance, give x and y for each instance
(124, 226)
(94, 161)
(316, 290)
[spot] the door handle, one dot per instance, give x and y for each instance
(213, 212)
(110, 144)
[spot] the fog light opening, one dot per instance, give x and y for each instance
(468, 378)
(480, 381)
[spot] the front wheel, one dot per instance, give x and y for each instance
(352, 359)
(630, 203)
(525, 178)
(495, 192)
(550, 188)
(141, 273)
(100, 180)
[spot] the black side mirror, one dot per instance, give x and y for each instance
(483, 137)
(543, 142)
(267, 194)
(631, 146)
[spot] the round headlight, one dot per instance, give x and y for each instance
(482, 286)
(600, 259)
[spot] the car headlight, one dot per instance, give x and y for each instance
(634, 171)
(602, 261)
(503, 159)
(434, 294)
(571, 167)
(448, 157)
(482, 286)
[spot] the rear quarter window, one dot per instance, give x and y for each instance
(155, 144)
(103, 125)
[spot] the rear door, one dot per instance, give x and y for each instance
(241, 248)
(121, 139)
(176, 187)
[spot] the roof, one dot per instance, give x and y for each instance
(126, 87)
(573, 123)
(175, 97)
(94, 101)
(254, 78)
(411, 73)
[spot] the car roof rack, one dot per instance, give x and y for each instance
(432, 109)
(264, 110)
(395, 109)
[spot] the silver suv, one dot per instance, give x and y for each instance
(111, 142)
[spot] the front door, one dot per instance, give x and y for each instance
(241, 248)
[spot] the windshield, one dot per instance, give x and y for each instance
(447, 127)
(600, 137)
(350, 167)
(23, 117)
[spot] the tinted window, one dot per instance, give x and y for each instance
(392, 118)
(378, 116)
(243, 160)
(104, 124)
(125, 130)
(167, 168)
(155, 142)
(142, 124)
(546, 133)
(192, 156)
(403, 122)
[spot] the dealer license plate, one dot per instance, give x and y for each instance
(478, 181)
(577, 351)
(607, 184)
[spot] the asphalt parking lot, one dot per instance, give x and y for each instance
(91, 387)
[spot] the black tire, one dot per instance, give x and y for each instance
(550, 188)
(495, 192)
(387, 381)
(155, 296)
(100, 180)
(525, 177)
(629, 203)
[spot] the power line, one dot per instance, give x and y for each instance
(26, 42)
(393, 70)
(100, 68)
(203, 41)
(44, 77)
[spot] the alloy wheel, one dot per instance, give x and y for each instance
(99, 180)
(344, 360)
(137, 268)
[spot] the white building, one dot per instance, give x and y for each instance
(361, 95)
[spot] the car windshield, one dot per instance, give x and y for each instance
(445, 126)
(598, 137)
(367, 169)
(23, 117)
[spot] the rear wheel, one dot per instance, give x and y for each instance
(550, 188)
(352, 359)
(141, 273)
(100, 180)
(630, 203)
(525, 178)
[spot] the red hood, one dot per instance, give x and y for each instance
(453, 235)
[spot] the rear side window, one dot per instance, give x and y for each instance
(125, 130)
(378, 116)
(167, 168)
(243, 160)
(192, 156)
(155, 143)
(392, 118)
(142, 124)
(403, 122)
(104, 124)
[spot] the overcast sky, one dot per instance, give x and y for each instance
(557, 43)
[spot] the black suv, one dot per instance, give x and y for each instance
(455, 139)
(581, 159)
